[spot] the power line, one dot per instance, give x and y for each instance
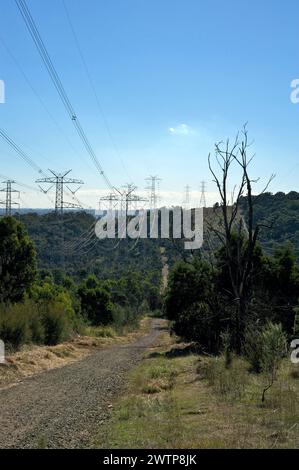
(20, 152)
(36, 37)
(25, 157)
(93, 88)
(27, 186)
(78, 201)
(43, 104)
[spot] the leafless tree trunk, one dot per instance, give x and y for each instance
(238, 241)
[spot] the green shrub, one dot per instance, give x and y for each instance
(42, 322)
(20, 323)
(96, 301)
(226, 346)
(274, 349)
(253, 347)
(13, 330)
(124, 317)
(57, 325)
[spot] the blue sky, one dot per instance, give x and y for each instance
(172, 77)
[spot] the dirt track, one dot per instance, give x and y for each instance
(62, 407)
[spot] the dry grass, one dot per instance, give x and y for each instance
(32, 359)
(194, 402)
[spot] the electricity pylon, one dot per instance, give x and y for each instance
(153, 188)
(203, 202)
(128, 197)
(112, 200)
(59, 180)
(8, 199)
(186, 201)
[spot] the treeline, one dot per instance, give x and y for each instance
(201, 306)
(241, 299)
(201, 309)
(47, 307)
(279, 214)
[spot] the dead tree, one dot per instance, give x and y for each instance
(237, 238)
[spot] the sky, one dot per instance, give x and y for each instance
(172, 77)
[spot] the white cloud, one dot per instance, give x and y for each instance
(181, 129)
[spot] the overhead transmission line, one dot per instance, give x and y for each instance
(32, 164)
(39, 98)
(25, 157)
(20, 152)
(36, 37)
(27, 186)
(93, 88)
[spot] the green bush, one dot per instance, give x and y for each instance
(253, 347)
(57, 324)
(274, 349)
(96, 301)
(43, 322)
(227, 349)
(13, 329)
(124, 317)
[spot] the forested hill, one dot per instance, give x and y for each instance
(280, 214)
(68, 243)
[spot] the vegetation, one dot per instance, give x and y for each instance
(219, 301)
(239, 306)
(67, 245)
(278, 214)
(48, 306)
(17, 261)
(199, 304)
(180, 400)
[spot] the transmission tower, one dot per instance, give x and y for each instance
(8, 199)
(203, 202)
(112, 200)
(59, 180)
(186, 201)
(128, 198)
(153, 188)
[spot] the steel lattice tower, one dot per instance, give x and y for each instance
(59, 180)
(112, 199)
(129, 198)
(8, 199)
(153, 188)
(186, 201)
(202, 202)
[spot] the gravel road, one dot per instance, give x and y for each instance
(62, 407)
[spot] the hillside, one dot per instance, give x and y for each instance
(69, 243)
(279, 214)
